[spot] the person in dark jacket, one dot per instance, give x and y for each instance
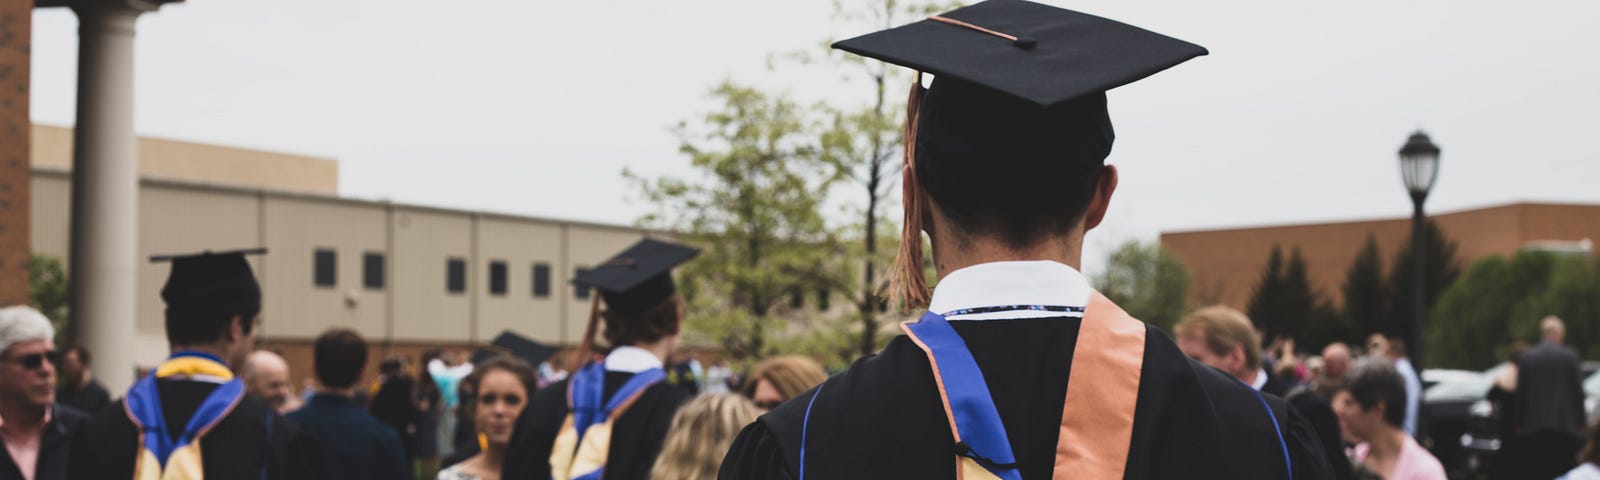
(393, 405)
(34, 428)
(78, 387)
(1548, 406)
(1224, 338)
(361, 447)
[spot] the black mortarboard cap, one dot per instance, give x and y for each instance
(211, 282)
(509, 343)
(1018, 81)
(639, 277)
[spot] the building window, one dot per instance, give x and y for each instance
(324, 271)
(455, 280)
(497, 277)
(372, 271)
(581, 292)
(541, 280)
(823, 297)
(797, 299)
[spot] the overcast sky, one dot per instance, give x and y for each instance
(535, 107)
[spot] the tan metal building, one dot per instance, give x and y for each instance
(1225, 265)
(406, 277)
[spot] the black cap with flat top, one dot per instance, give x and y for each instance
(1020, 82)
(512, 344)
(639, 277)
(213, 282)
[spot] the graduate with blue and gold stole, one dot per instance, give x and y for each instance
(190, 418)
(1017, 368)
(608, 419)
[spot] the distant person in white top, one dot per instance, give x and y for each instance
(1394, 349)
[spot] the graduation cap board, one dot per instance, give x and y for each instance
(639, 277)
(211, 281)
(509, 343)
(1017, 81)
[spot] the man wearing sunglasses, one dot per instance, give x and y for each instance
(34, 428)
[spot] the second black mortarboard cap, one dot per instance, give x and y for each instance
(510, 343)
(211, 282)
(639, 277)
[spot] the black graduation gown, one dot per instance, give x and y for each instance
(239, 447)
(636, 436)
(883, 418)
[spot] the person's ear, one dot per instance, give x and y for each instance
(1104, 187)
(236, 329)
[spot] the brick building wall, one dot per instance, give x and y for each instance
(16, 33)
(1225, 265)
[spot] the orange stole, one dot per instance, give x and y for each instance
(1097, 417)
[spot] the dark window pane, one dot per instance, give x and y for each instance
(541, 280)
(797, 299)
(372, 271)
(324, 267)
(580, 292)
(497, 277)
(823, 296)
(455, 275)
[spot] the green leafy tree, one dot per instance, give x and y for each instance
(1441, 270)
(47, 292)
(1146, 281)
(1499, 300)
(867, 141)
(1366, 297)
(754, 208)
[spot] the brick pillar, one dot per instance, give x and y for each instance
(16, 32)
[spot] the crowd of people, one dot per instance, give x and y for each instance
(1017, 369)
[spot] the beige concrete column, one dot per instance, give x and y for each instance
(105, 190)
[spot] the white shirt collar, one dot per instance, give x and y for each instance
(998, 284)
(631, 359)
(1261, 379)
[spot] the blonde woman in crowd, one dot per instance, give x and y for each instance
(778, 379)
(700, 435)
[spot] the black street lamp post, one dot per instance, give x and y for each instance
(1419, 166)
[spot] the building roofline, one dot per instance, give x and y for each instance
(317, 197)
(1497, 206)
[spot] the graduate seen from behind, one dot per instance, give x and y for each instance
(610, 417)
(1018, 369)
(191, 418)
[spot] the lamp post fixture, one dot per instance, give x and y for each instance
(1419, 167)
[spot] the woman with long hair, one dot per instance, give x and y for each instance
(700, 436)
(778, 379)
(503, 385)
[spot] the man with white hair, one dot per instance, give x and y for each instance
(35, 430)
(1549, 406)
(266, 375)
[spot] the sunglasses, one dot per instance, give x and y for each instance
(36, 361)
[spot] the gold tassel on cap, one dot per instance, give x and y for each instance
(906, 281)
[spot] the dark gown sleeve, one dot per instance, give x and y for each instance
(1308, 459)
(755, 454)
